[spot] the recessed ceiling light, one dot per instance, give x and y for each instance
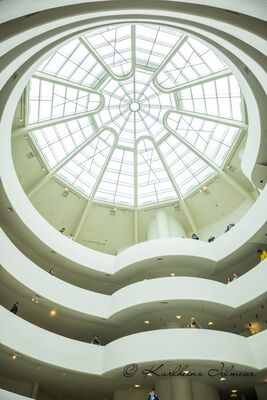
(172, 274)
(149, 374)
(136, 385)
(234, 390)
(146, 322)
(222, 379)
(210, 323)
(178, 316)
(53, 313)
(186, 372)
(233, 395)
(14, 357)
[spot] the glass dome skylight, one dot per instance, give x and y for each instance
(134, 114)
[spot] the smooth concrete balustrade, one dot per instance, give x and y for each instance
(5, 395)
(192, 345)
(16, 10)
(89, 258)
(244, 290)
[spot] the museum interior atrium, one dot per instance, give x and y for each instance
(133, 162)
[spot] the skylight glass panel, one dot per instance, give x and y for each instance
(121, 62)
(188, 170)
(153, 182)
(85, 167)
(49, 100)
(74, 62)
(114, 46)
(117, 184)
(192, 61)
(153, 44)
(57, 141)
(207, 137)
(151, 106)
(220, 97)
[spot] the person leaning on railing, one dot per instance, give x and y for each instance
(262, 254)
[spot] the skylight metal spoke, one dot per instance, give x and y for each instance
(75, 63)
(95, 188)
(89, 41)
(65, 160)
(83, 170)
(226, 177)
(52, 98)
(211, 118)
(199, 133)
(192, 60)
(204, 79)
(48, 123)
(221, 97)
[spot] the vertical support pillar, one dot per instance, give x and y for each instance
(162, 225)
(163, 388)
(261, 391)
(135, 225)
(35, 388)
(182, 388)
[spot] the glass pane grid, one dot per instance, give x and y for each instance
(153, 182)
(49, 100)
(187, 168)
(168, 165)
(193, 60)
(118, 180)
(153, 44)
(221, 97)
(113, 46)
(75, 63)
(206, 136)
(83, 170)
(57, 141)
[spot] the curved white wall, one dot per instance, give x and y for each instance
(25, 210)
(164, 226)
(194, 345)
(229, 297)
(201, 345)
(5, 395)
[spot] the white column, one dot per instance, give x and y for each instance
(164, 389)
(182, 389)
(163, 226)
(202, 391)
(35, 388)
(261, 391)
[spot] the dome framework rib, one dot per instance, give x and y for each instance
(134, 105)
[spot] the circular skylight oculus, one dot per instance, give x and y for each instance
(134, 114)
(134, 106)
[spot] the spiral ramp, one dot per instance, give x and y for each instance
(140, 299)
